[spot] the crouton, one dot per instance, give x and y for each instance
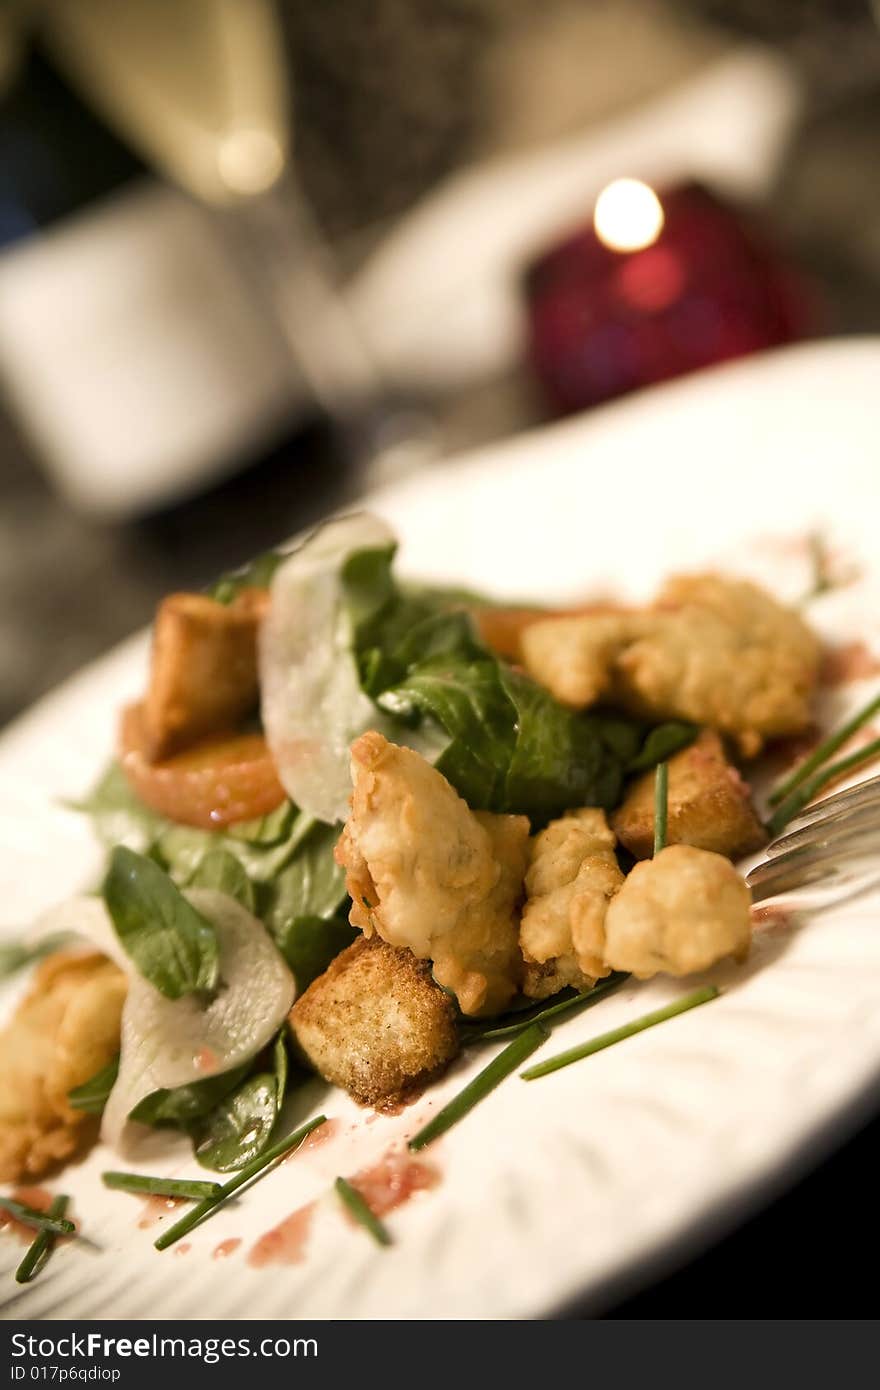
(708, 802)
(375, 1023)
(64, 1031)
(678, 913)
(424, 871)
(203, 675)
(572, 876)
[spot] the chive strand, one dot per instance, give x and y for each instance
(821, 754)
(52, 1223)
(41, 1247)
(805, 793)
(256, 1169)
(358, 1208)
(573, 1004)
(485, 1081)
(661, 805)
(161, 1187)
(616, 1035)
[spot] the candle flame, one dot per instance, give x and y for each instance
(628, 215)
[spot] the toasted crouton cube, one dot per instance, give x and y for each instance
(375, 1023)
(708, 801)
(203, 675)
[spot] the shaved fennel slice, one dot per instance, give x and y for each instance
(173, 1042)
(312, 702)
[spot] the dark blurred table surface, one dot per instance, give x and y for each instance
(72, 587)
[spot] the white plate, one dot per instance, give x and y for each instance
(548, 1190)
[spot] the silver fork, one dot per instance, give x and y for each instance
(828, 852)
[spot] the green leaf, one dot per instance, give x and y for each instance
(265, 830)
(311, 885)
(221, 870)
(91, 1096)
(560, 759)
(468, 700)
(309, 944)
(239, 1128)
(660, 744)
(118, 816)
(172, 945)
(182, 1105)
(256, 574)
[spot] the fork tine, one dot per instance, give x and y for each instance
(841, 855)
(869, 790)
(849, 817)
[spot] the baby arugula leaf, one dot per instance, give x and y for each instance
(172, 945)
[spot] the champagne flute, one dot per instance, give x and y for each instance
(200, 89)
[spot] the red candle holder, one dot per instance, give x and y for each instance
(700, 285)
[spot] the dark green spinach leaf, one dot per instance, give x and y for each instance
(660, 743)
(172, 945)
(239, 1128)
(309, 944)
(183, 1105)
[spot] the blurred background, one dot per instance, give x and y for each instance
(257, 258)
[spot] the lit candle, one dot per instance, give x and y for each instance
(656, 285)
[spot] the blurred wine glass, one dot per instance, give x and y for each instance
(200, 89)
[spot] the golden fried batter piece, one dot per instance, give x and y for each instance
(572, 876)
(575, 658)
(717, 651)
(375, 1023)
(709, 805)
(64, 1031)
(678, 913)
(424, 871)
(203, 674)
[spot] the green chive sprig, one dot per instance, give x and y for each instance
(352, 1199)
(253, 1171)
(661, 806)
(821, 754)
(574, 1003)
(55, 1225)
(485, 1081)
(42, 1245)
(161, 1187)
(616, 1035)
(807, 790)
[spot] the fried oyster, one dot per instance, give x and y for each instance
(678, 913)
(717, 651)
(572, 876)
(63, 1032)
(426, 872)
